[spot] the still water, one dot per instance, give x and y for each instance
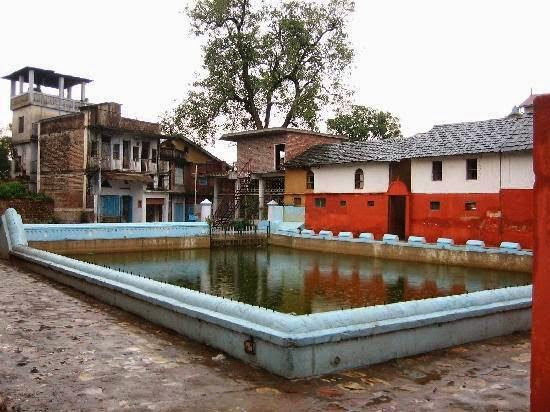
(302, 282)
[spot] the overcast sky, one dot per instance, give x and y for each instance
(428, 62)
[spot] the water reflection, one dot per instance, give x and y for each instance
(294, 281)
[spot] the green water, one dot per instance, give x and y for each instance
(301, 282)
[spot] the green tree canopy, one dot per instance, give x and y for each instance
(365, 123)
(6, 149)
(264, 62)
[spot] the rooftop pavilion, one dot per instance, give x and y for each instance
(36, 79)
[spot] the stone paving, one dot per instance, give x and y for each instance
(61, 350)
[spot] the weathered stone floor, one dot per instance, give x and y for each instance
(61, 350)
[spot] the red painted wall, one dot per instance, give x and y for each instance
(540, 341)
(507, 216)
(355, 217)
(518, 216)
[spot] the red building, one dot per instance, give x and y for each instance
(462, 181)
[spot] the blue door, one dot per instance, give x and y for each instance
(179, 212)
(110, 205)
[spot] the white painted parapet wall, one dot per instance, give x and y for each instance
(290, 346)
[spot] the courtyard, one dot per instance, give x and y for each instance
(61, 350)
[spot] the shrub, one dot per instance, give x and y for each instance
(17, 190)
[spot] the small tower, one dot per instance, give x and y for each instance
(38, 94)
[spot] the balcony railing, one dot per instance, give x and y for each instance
(46, 100)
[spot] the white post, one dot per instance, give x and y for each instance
(206, 210)
(13, 88)
(271, 210)
(61, 84)
(21, 83)
(82, 91)
(31, 80)
(69, 92)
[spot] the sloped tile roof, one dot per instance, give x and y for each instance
(487, 136)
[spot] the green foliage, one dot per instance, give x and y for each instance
(6, 149)
(264, 62)
(365, 123)
(17, 190)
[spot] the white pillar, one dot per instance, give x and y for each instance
(21, 83)
(31, 80)
(69, 93)
(216, 195)
(13, 88)
(82, 91)
(271, 210)
(206, 210)
(61, 84)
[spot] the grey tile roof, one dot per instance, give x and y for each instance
(487, 136)
(347, 152)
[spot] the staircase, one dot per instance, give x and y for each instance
(224, 215)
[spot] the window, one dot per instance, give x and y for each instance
(343, 203)
(93, 149)
(471, 169)
(310, 180)
(435, 205)
(297, 201)
(21, 125)
(154, 155)
(279, 156)
(320, 202)
(179, 175)
(470, 206)
(135, 153)
(202, 180)
(116, 151)
(370, 203)
(359, 179)
(437, 170)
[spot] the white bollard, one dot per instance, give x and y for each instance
(206, 210)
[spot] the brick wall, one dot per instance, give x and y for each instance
(62, 167)
(261, 150)
(32, 211)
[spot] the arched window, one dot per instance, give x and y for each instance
(310, 180)
(359, 179)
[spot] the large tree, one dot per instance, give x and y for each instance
(264, 64)
(365, 123)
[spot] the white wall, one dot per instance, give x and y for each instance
(517, 170)
(341, 178)
(454, 175)
(134, 189)
(134, 141)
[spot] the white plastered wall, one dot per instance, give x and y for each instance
(454, 175)
(517, 170)
(341, 178)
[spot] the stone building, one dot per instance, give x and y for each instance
(38, 94)
(258, 175)
(96, 164)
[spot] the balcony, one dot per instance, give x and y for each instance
(46, 100)
(172, 155)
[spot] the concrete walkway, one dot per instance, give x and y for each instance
(61, 350)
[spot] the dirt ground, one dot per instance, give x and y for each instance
(61, 350)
